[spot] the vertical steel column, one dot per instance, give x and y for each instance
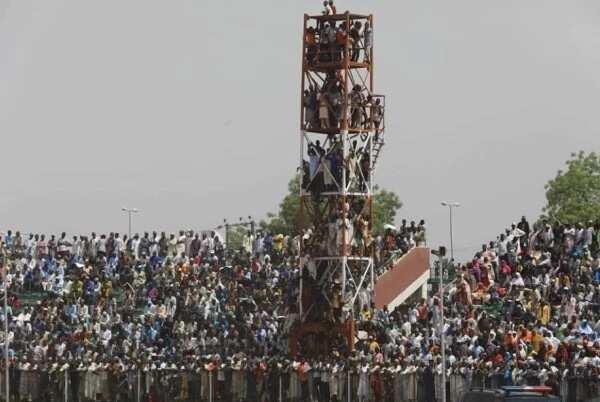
(129, 231)
(344, 184)
(349, 390)
(344, 254)
(372, 269)
(139, 387)
(451, 237)
(210, 386)
(303, 64)
(371, 63)
(66, 385)
(346, 70)
(372, 165)
(280, 388)
(302, 146)
(370, 201)
(302, 198)
(442, 340)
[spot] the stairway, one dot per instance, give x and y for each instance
(407, 278)
(377, 146)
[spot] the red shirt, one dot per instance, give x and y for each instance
(422, 311)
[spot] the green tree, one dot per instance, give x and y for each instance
(385, 207)
(286, 219)
(235, 237)
(574, 194)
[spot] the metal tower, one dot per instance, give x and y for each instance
(341, 135)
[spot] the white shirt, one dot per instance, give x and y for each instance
(107, 335)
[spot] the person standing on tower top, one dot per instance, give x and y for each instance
(330, 8)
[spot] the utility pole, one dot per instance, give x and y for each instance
(451, 206)
(440, 254)
(442, 337)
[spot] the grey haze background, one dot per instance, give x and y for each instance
(188, 109)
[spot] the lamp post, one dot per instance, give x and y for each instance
(130, 211)
(440, 254)
(451, 206)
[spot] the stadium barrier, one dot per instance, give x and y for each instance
(273, 386)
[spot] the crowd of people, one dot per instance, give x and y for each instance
(328, 40)
(525, 309)
(329, 44)
(324, 106)
(395, 242)
(100, 307)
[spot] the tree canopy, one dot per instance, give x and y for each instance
(286, 219)
(574, 194)
(385, 207)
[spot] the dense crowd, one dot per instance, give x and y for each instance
(330, 41)
(112, 304)
(525, 309)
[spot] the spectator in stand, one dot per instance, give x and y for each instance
(519, 312)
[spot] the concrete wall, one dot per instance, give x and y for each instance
(409, 274)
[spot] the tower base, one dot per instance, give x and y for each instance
(316, 339)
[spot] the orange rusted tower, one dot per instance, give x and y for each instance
(342, 123)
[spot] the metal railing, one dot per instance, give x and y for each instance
(327, 55)
(274, 386)
(369, 115)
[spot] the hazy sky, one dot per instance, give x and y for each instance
(189, 109)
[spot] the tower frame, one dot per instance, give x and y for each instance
(336, 192)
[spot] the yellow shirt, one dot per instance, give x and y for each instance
(374, 346)
(545, 318)
(536, 341)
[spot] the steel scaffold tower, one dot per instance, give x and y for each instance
(341, 135)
